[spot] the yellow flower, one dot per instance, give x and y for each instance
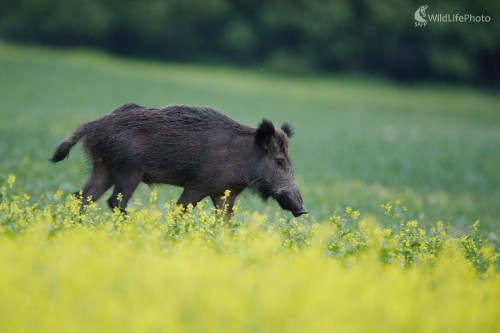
(11, 180)
(58, 195)
(227, 193)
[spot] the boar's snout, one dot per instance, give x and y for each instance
(300, 212)
(291, 201)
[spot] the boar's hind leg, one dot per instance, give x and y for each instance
(100, 181)
(125, 184)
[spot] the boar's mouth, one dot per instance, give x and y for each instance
(283, 198)
(300, 212)
(285, 201)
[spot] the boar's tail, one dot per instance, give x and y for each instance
(63, 150)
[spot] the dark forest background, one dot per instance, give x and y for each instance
(298, 36)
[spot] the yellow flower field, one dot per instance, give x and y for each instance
(156, 270)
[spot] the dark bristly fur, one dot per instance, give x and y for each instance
(197, 148)
(61, 152)
(265, 132)
(288, 129)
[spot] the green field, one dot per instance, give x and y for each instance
(378, 165)
(359, 143)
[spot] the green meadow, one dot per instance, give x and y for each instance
(395, 177)
(359, 142)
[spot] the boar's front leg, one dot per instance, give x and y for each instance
(190, 196)
(225, 205)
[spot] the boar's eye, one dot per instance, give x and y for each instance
(280, 161)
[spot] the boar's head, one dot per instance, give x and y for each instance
(273, 176)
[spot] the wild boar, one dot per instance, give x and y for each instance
(195, 147)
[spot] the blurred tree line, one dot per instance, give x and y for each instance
(361, 36)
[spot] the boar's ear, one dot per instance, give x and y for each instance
(288, 129)
(264, 134)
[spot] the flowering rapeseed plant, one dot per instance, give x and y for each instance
(166, 270)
